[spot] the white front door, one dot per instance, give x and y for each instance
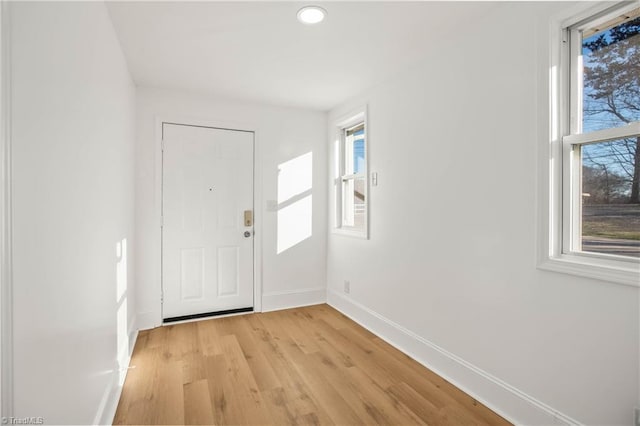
(207, 195)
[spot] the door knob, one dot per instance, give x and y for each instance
(247, 234)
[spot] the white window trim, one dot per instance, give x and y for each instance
(356, 116)
(553, 178)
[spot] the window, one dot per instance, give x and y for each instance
(603, 144)
(351, 176)
(596, 211)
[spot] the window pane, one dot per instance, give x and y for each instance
(611, 73)
(610, 205)
(353, 203)
(354, 154)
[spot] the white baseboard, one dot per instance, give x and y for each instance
(109, 404)
(274, 301)
(504, 399)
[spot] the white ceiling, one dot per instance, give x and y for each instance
(258, 51)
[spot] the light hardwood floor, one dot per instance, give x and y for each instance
(308, 365)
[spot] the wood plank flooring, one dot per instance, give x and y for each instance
(308, 365)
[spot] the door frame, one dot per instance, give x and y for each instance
(257, 195)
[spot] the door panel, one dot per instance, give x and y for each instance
(207, 185)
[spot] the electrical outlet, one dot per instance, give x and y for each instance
(347, 287)
(636, 416)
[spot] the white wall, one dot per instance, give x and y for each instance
(449, 272)
(295, 276)
(73, 157)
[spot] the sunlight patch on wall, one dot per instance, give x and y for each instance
(295, 181)
(122, 325)
(295, 177)
(294, 223)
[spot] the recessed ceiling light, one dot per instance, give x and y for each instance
(311, 15)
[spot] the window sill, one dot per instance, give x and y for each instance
(351, 233)
(619, 272)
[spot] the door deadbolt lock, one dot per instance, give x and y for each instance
(247, 234)
(248, 217)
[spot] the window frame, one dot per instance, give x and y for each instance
(560, 208)
(357, 117)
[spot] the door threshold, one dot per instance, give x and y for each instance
(207, 315)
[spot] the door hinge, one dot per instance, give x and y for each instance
(161, 221)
